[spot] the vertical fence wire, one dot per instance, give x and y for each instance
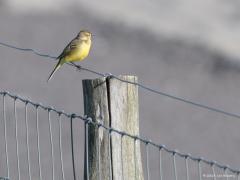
(60, 145)
(51, 143)
(175, 166)
(5, 136)
(213, 172)
(38, 144)
(16, 138)
(225, 173)
(199, 170)
(72, 148)
(147, 159)
(160, 164)
(27, 141)
(187, 169)
(86, 157)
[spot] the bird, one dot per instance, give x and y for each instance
(77, 50)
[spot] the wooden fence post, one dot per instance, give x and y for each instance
(115, 104)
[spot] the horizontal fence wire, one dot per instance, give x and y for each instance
(174, 154)
(110, 75)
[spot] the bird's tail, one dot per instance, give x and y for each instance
(54, 70)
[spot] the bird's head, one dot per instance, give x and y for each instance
(84, 35)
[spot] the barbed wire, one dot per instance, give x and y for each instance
(88, 120)
(109, 75)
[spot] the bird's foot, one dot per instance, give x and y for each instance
(79, 68)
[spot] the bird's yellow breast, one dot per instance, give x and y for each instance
(79, 53)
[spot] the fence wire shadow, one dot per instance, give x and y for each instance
(41, 142)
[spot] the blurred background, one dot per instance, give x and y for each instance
(186, 48)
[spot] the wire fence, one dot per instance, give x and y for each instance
(36, 145)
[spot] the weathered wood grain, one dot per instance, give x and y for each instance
(115, 104)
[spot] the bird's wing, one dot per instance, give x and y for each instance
(71, 46)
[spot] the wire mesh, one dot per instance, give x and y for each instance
(51, 152)
(38, 151)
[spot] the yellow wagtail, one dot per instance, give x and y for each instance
(77, 50)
